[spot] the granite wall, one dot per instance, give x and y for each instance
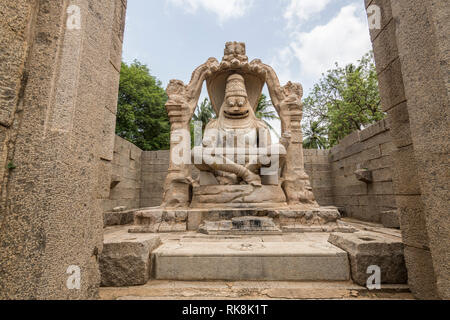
(370, 149)
(59, 76)
(411, 54)
(125, 187)
(154, 171)
(318, 167)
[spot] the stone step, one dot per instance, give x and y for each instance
(234, 261)
(252, 290)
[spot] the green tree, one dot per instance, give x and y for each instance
(346, 99)
(141, 115)
(315, 136)
(204, 113)
(266, 112)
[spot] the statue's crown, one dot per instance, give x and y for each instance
(235, 50)
(234, 75)
(235, 86)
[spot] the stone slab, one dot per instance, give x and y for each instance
(115, 218)
(369, 248)
(252, 290)
(294, 228)
(159, 228)
(390, 219)
(154, 220)
(242, 225)
(307, 260)
(126, 259)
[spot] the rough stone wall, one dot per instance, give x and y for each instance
(368, 149)
(58, 105)
(318, 168)
(126, 176)
(411, 53)
(155, 165)
(16, 31)
(423, 29)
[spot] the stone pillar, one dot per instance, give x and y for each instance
(177, 184)
(413, 93)
(180, 107)
(422, 29)
(296, 146)
(59, 144)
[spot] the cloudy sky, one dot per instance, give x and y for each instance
(301, 39)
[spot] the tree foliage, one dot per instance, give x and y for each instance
(315, 137)
(346, 99)
(266, 112)
(204, 113)
(141, 115)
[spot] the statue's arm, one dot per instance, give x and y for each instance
(264, 137)
(210, 135)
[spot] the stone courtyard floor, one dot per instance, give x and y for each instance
(251, 290)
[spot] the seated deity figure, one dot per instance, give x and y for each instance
(236, 148)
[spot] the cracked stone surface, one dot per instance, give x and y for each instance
(251, 290)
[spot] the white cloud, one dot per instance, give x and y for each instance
(299, 11)
(344, 39)
(282, 63)
(224, 9)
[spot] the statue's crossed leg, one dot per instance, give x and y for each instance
(223, 164)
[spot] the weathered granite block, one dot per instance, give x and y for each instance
(118, 218)
(390, 219)
(155, 220)
(235, 261)
(241, 225)
(392, 91)
(368, 248)
(364, 175)
(318, 216)
(126, 259)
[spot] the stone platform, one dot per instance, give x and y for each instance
(132, 259)
(225, 220)
(225, 260)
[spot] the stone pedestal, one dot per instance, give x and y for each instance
(264, 261)
(238, 220)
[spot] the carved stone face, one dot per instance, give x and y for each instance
(236, 107)
(236, 104)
